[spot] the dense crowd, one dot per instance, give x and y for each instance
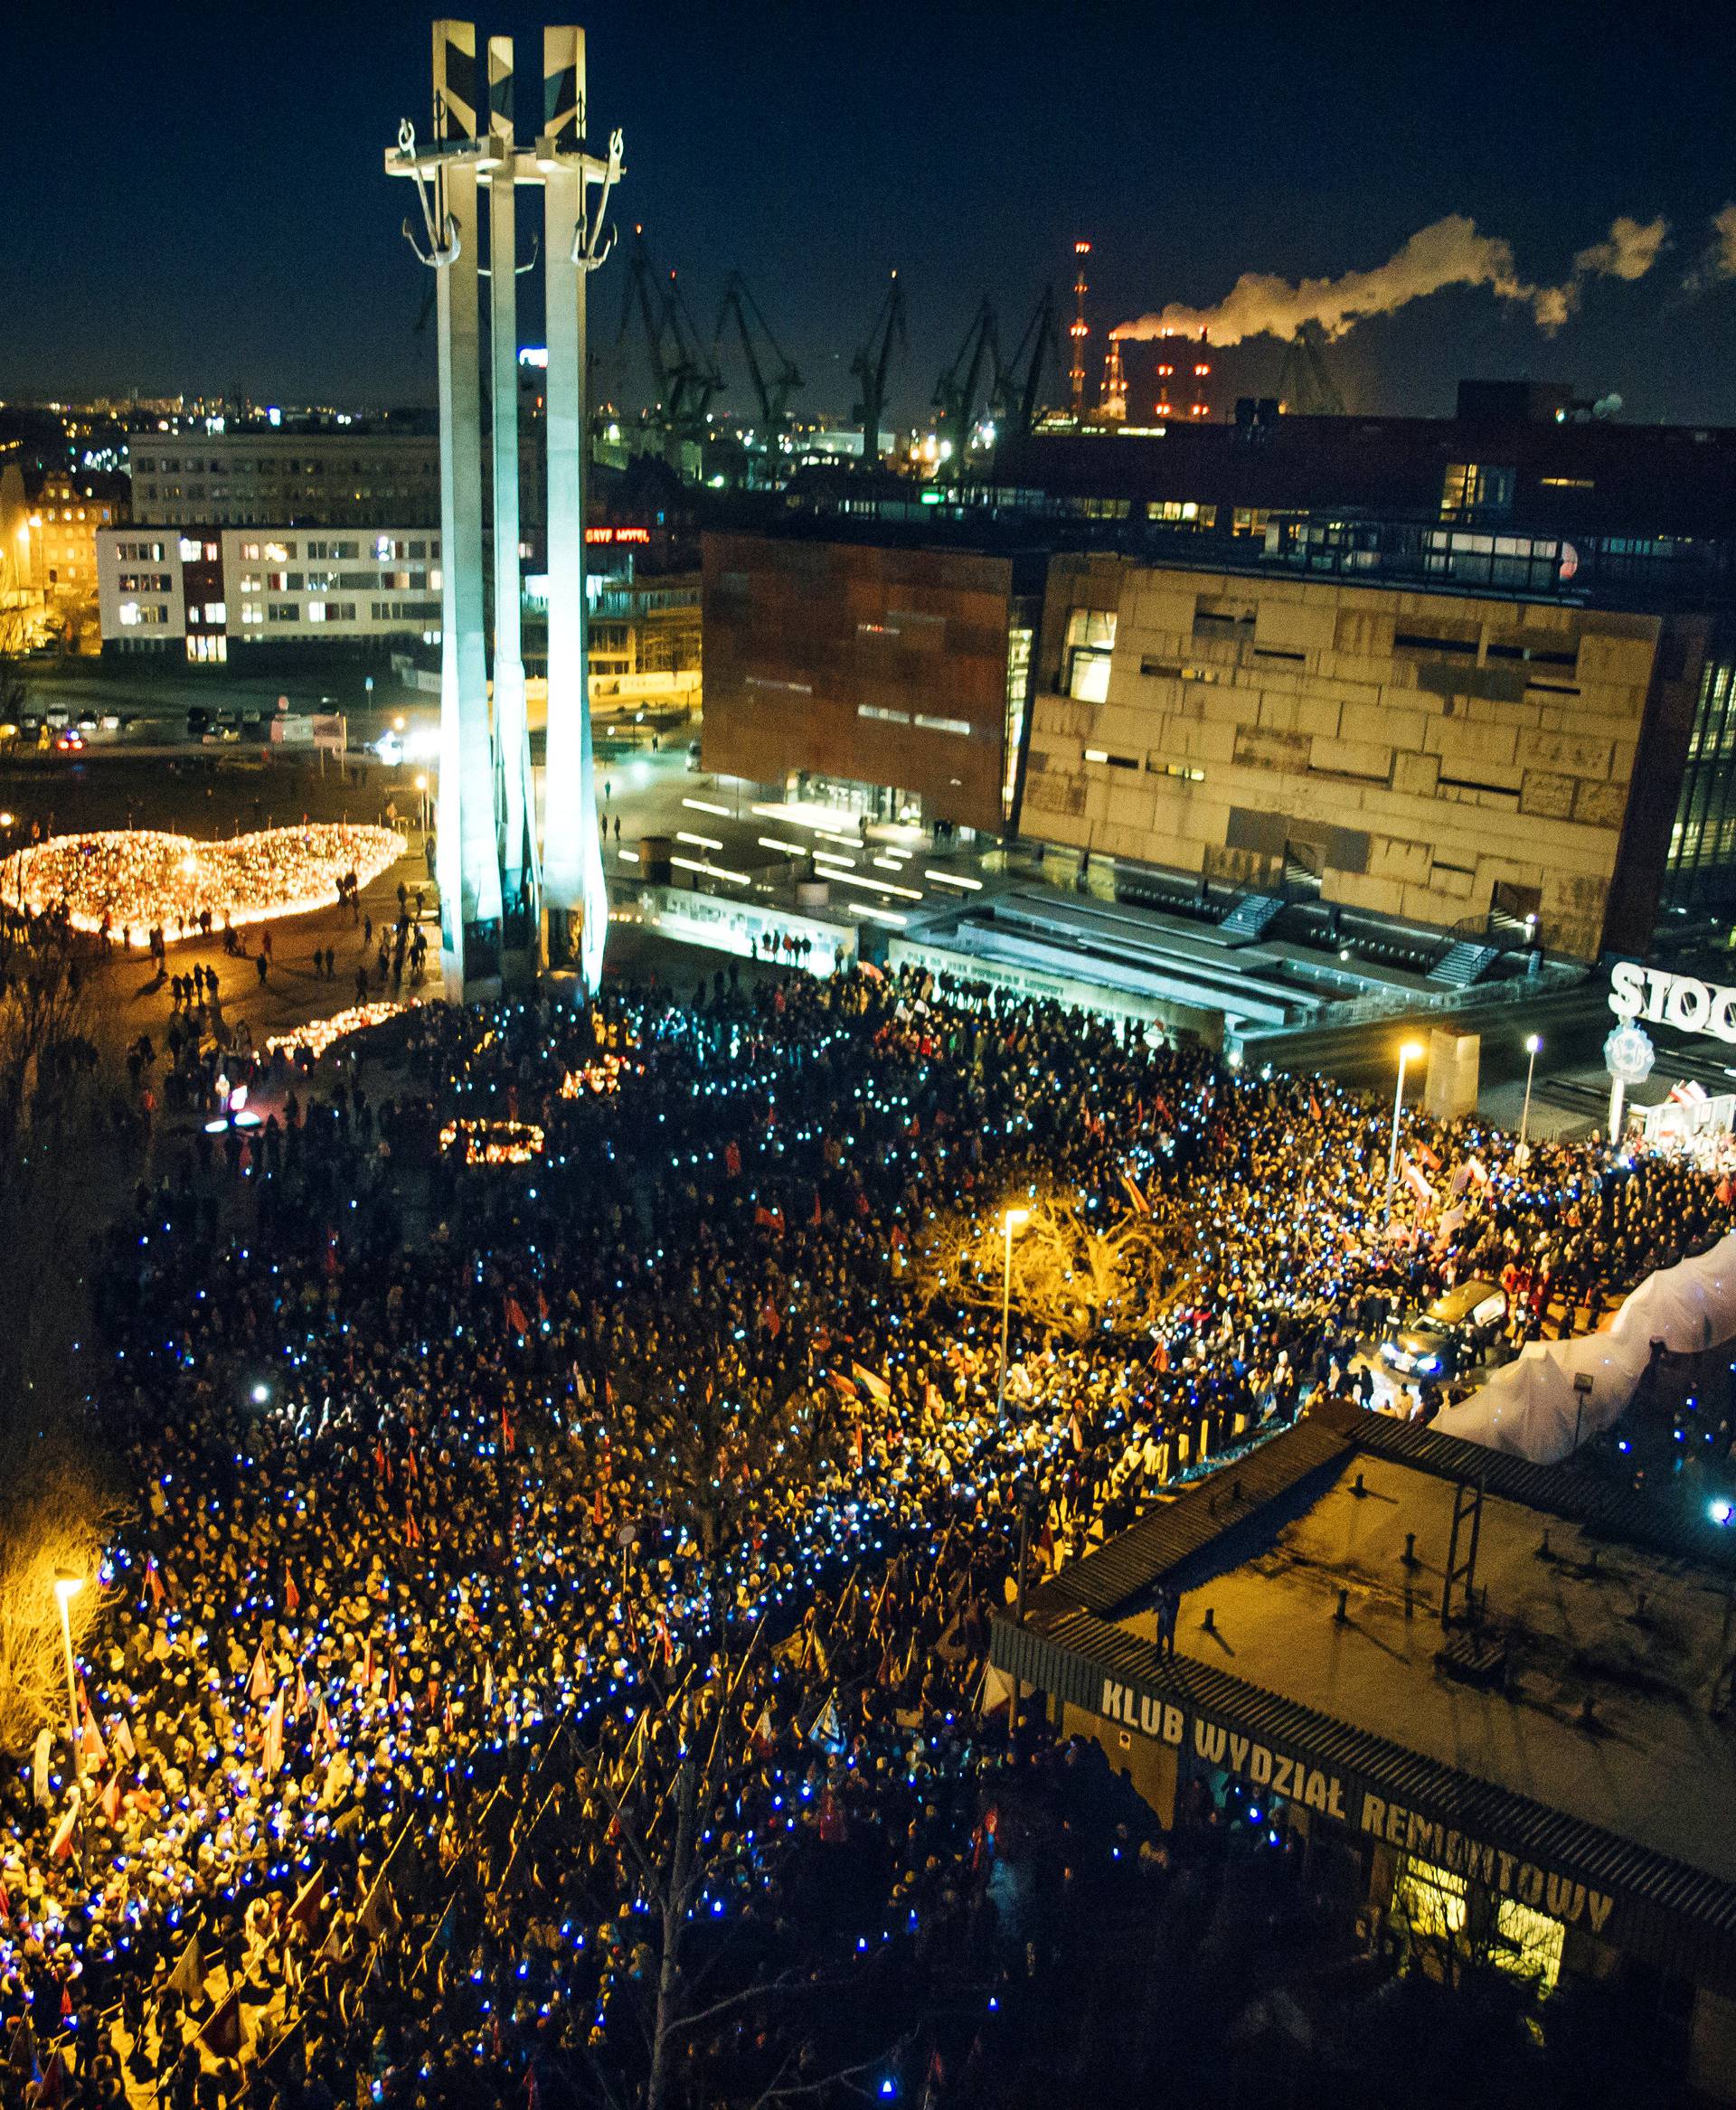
(545, 1575)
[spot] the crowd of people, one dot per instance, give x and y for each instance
(548, 1649)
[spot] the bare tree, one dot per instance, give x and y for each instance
(55, 1512)
(55, 1503)
(667, 1804)
(1075, 1269)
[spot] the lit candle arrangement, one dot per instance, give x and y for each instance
(603, 1075)
(134, 879)
(320, 1033)
(493, 1143)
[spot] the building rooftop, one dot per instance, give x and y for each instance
(1645, 1637)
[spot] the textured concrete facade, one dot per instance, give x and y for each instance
(1418, 749)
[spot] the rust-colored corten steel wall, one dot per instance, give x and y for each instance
(884, 666)
(1420, 750)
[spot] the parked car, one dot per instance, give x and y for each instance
(1446, 1337)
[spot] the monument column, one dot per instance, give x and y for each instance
(575, 899)
(468, 862)
(514, 797)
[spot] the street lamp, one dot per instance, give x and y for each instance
(1016, 1220)
(66, 1587)
(1411, 1052)
(1533, 1043)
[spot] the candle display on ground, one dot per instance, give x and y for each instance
(130, 880)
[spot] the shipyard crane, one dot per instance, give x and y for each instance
(956, 393)
(696, 376)
(1306, 388)
(684, 378)
(774, 376)
(639, 295)
(872, 364)
(1014, 400)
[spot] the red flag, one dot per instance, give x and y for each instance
(91, 1743)
(111, 1799)
(516, 1317)
(153, 1583)
(391, 1682)
(446, 1719)
(61, 1844)
(506, 1431)
(597, 1508)
(51, 2091)
(291, 1594)
(66, 2003)
(259, 1678)
(222, 2035)
(367, 1667)
(301, 1693)
(324, 1733)
(857, 1438)
(271, 1754)
(306, 1909)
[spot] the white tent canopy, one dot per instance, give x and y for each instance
(1531, 1406)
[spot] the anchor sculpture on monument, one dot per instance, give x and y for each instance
(516, 902)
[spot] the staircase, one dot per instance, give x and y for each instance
(1464, 961)
(1249, 916)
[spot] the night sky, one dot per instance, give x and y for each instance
(197, 201)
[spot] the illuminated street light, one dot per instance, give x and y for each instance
(1533, 1043)
(1016, 1220)
(1411, 1052)
(66, 1587)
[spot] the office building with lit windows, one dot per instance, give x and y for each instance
(208, 594)
(1455, 693)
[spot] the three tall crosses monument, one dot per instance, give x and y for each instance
(513, 904)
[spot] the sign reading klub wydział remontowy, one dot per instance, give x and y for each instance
(1297, 1778)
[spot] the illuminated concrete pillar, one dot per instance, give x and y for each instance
(487, 857)
(574, 898)
(515, 799)
(466, 858)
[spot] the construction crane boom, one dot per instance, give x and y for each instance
(1306, 388)
(776, 378)
(1013, 402)
(872, 363)
(956, 393)
(638, 296)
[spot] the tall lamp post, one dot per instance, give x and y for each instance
(1533, 1043)
(66, 1587)
(1411, 1052)
(1014, 1221)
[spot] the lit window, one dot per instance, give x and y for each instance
(189, 550)
(216, 611)
(129, 615)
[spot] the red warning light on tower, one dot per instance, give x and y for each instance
(1078, 330)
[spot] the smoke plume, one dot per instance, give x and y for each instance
(1717, 263)
(1450, 252)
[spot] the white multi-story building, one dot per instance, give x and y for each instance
(206, 594)
(349, 474)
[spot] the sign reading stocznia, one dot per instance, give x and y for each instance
(1665, 999)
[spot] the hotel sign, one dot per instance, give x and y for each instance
(1219, 1746)
(1667, 999)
